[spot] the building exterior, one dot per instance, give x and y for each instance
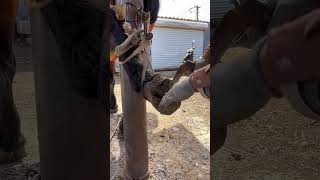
(218, 8)
(23, 18)
(173, 36)
(171, 39)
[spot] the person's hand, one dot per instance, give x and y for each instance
(291, 53)
(150, 28)
(201, 78)
(313, 26)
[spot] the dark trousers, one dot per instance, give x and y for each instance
(113, 100)
(9, 118)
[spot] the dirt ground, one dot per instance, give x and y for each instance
(275, 144)
(178, 144)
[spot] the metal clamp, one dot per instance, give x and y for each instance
(139, 38)
(130, 42)
(144, 44)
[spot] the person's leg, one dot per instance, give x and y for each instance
(11, 140)
(113, 99)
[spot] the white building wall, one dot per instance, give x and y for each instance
(172, 38)
(169, 46)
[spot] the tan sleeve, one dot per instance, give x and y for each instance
(208, 53)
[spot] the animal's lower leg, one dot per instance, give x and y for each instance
(134, 70)
(153, 87)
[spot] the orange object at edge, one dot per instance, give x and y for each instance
(113, 62)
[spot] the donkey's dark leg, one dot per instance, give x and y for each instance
(11, 140)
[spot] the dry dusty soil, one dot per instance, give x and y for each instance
(178, 144)
(274, 144)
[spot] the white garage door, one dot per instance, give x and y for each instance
(169, 46)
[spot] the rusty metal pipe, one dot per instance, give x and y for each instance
(72, 129)
(135, 130)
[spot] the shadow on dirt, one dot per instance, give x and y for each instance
(175, 153)
(20, 172)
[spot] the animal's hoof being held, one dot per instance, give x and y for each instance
(154, 91)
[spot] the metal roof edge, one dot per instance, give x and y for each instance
(183, 19)
(181, 23)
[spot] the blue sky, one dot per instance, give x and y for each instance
(178, 8)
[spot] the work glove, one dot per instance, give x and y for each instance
(291, 53)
